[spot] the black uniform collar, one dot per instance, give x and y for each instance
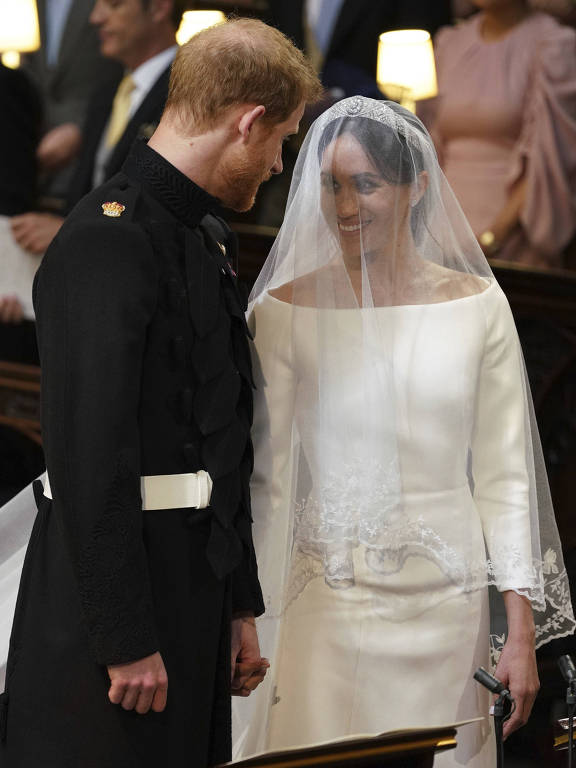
(188, 202)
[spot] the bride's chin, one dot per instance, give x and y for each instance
(354, 253)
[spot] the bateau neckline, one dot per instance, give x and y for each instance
(491, 283)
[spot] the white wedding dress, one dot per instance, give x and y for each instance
(398, 470)
(398, 648)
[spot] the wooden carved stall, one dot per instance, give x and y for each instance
(20, 399)
(544, 306)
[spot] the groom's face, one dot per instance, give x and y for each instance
(255, 162)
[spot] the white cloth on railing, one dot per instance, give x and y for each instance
(17, 269)
(16, 521)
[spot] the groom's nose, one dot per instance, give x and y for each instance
(278, 166)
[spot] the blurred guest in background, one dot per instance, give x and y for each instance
(505, 128)
(140, 34)
(341, 36)
(20, 128)
(565, 10)
(19, 135)
(67, 68)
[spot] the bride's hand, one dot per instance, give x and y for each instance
(517, 670)
(517, 665)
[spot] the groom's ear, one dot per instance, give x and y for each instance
(249, 119)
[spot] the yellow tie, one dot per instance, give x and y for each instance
(120, 111)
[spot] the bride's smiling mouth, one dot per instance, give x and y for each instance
(353, 228)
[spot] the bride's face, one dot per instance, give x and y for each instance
(368, 214)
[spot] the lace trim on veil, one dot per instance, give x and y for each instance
(324, 549)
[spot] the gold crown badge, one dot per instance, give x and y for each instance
(113, 209)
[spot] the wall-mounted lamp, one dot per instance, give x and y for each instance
(19, 30)
(194, 21)
(406, 70)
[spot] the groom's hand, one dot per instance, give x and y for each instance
(141, 685)
(247, 677)
(248, 666)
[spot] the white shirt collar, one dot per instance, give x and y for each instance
(146, 75)
(144, 78)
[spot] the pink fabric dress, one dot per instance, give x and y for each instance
(506, 108)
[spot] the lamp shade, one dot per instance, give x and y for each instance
(406, 65)
(195, 21)
(19, 29)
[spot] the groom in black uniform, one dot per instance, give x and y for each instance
(140, 585)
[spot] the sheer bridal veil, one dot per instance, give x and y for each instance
(393, 416)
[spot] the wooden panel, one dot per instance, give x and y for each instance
(544, 306)
(20, 399)
(549, 293)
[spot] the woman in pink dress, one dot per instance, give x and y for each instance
(505, 128)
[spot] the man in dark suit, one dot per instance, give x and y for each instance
(140, 34)
(341, 36)
(135, 614)
(19, 135)
(67, 68)
(20, 459)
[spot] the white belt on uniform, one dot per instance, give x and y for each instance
(191, 489)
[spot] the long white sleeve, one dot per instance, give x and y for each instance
(275, 380)
(500, 467)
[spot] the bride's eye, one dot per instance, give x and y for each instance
(365, 186)
(329, 183)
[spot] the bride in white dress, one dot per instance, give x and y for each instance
(397, 467)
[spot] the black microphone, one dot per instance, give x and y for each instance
(504, 707)
(490, 682)
(567, 668)
(569, 674)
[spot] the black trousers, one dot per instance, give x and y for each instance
(56, 712)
